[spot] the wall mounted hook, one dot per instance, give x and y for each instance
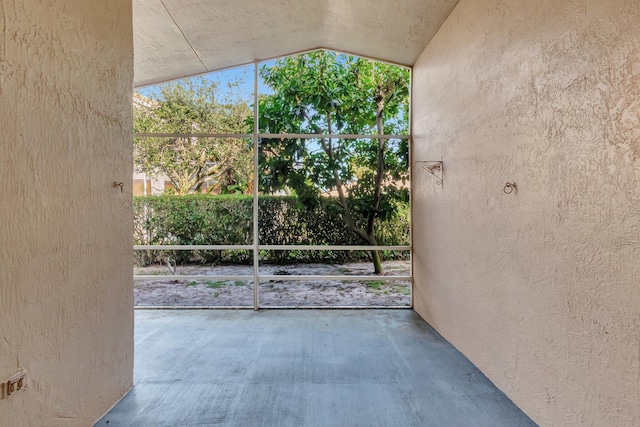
(119, 184)
(509, 187)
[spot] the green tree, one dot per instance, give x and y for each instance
(327, 93)
(193, 107)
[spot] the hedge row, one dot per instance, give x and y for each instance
(227, 220)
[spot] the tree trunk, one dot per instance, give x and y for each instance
(367, 235)
(377, 262)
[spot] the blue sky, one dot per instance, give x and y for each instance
(243, 76)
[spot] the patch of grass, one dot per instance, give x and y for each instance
(401, 289)
(344, 270)
(239, 283)
(214, 285)
(216, 295)
(192, 283)
(375, 284)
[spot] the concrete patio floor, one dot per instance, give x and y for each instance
(298, 368)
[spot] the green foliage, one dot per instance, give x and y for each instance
(193, 220)
(210, 220)
(404, 290)
(376, 284)
(327, 93)
(214, 285)
(192, 107)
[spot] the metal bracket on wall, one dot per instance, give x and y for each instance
(435, 168)
(118, 184)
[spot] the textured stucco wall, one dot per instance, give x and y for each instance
(66, 315)
(540, 288)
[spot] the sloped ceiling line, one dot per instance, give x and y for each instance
(186, 39)
(174, 39)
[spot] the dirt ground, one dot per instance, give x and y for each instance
(306, 293)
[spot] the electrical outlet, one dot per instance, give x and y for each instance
(16, 383)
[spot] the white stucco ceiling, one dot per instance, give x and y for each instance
(179, 38)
